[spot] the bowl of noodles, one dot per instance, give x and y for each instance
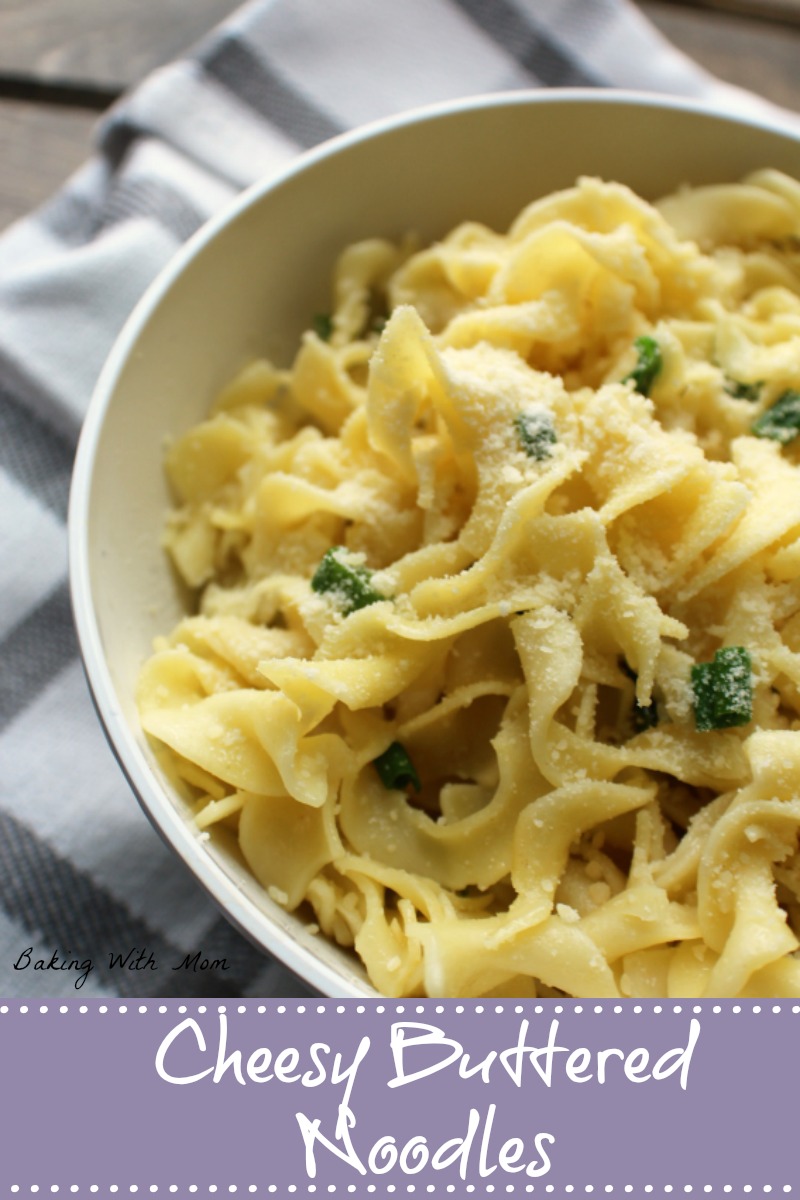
(435, 554)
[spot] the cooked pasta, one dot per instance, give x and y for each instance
(495, 667)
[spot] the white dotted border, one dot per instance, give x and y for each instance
(408, 1189)
(428, 1189)
(430, 1006)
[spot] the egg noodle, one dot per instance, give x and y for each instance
(496, 662)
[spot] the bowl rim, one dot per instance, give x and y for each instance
(238, 908)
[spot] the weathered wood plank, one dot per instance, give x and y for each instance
(765, 10)
(40, 147)
(101, 43)
(752, 53)
(109, 42)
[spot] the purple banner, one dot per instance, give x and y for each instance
(404, 1098)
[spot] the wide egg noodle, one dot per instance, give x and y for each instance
(546, 548)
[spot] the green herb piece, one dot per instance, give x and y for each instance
(349, 584)
(781, 422)
(723, 690)
(396, 768)
(649, 364)
(536, 434)
(743, 391)
(378, 324)
(643, 716)
(322, 324)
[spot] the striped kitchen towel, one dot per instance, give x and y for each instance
(89, 897)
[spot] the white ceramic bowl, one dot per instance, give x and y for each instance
(246, 285)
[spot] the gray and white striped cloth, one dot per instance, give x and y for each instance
(82, 875)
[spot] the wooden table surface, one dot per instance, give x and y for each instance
(62, 62)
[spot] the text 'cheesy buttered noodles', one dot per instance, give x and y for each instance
(496, 662)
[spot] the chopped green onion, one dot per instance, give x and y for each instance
(536, 434)
(649, 364)
(396, 768)
(643, 716)
(723, 690)
(743, 391)
(349, 584)
(322, 325)
(781, 422)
